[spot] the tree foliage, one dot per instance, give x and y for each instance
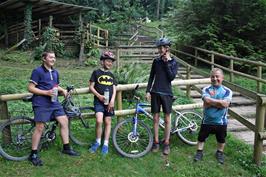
(231, 27)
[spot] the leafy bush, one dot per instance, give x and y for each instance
(49, 41)
(92, 54)
(130, 74)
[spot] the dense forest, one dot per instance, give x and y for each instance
(233, 27)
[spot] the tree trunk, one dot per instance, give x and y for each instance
(158, 9)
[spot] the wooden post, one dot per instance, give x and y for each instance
(196, 60)
(6, 31)
(188, 87)
(82, 45)
(212, 60)
(98, 37)
(259, 75)
(117, 58)
(17, 36)
(39, 28)
(50, 21)
(119, 103)
(4, 116)
(259, 123)
(232, 69)
(106, 38)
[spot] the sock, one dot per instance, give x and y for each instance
(220, 151)
(199, 150)
(98, 140)
(105, 142)
(34, 152)
(66, 146)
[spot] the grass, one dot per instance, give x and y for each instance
(14, 78)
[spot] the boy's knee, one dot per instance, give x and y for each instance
(107, 121)
(99, 121)
(39, 127)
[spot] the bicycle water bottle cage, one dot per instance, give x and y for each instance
(70, 109)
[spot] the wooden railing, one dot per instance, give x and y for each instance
(136, 33)
(97, 35)
(214, 58)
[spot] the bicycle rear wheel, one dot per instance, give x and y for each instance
(129, 145)
(15, 138)
(79, 133)
(188, 123)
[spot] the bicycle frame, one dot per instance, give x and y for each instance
(140, 110)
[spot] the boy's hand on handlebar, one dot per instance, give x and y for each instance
(148, 96)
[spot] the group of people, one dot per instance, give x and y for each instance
(102, 85)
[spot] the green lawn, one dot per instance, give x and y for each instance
(14, 79)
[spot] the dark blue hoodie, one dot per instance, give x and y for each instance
(161, 75)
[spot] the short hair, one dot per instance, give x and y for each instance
(44, 54)
(217, 69)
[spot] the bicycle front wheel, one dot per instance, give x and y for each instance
(15, 138)
(129, 145)
(188, 125)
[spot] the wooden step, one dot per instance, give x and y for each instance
(235, 126)
(245, 111)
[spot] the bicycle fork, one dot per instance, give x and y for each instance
(133, 136)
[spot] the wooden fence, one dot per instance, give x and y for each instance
(213, 58)
(97, 35)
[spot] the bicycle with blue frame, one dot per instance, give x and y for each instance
(133, 138)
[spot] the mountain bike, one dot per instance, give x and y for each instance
(16, 133)
(133, 138)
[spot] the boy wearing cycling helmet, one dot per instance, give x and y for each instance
(103, 86)
(42, 81)
(159, 91)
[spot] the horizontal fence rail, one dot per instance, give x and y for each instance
(212, 58)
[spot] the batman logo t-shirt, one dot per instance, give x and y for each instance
(103, 80)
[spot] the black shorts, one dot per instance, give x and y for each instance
(158, 100)
(218, 130)
(100, 107)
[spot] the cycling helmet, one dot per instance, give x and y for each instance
(163, 42)
(70, 109)
(107, 55)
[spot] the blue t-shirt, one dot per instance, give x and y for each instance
(44, 80)
(213, 115)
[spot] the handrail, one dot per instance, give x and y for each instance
(121, 87)
(257, 63)
(258, 78)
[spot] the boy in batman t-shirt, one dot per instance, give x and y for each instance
(103, 86)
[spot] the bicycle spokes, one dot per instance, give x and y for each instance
(187, 126)
(129, 143)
